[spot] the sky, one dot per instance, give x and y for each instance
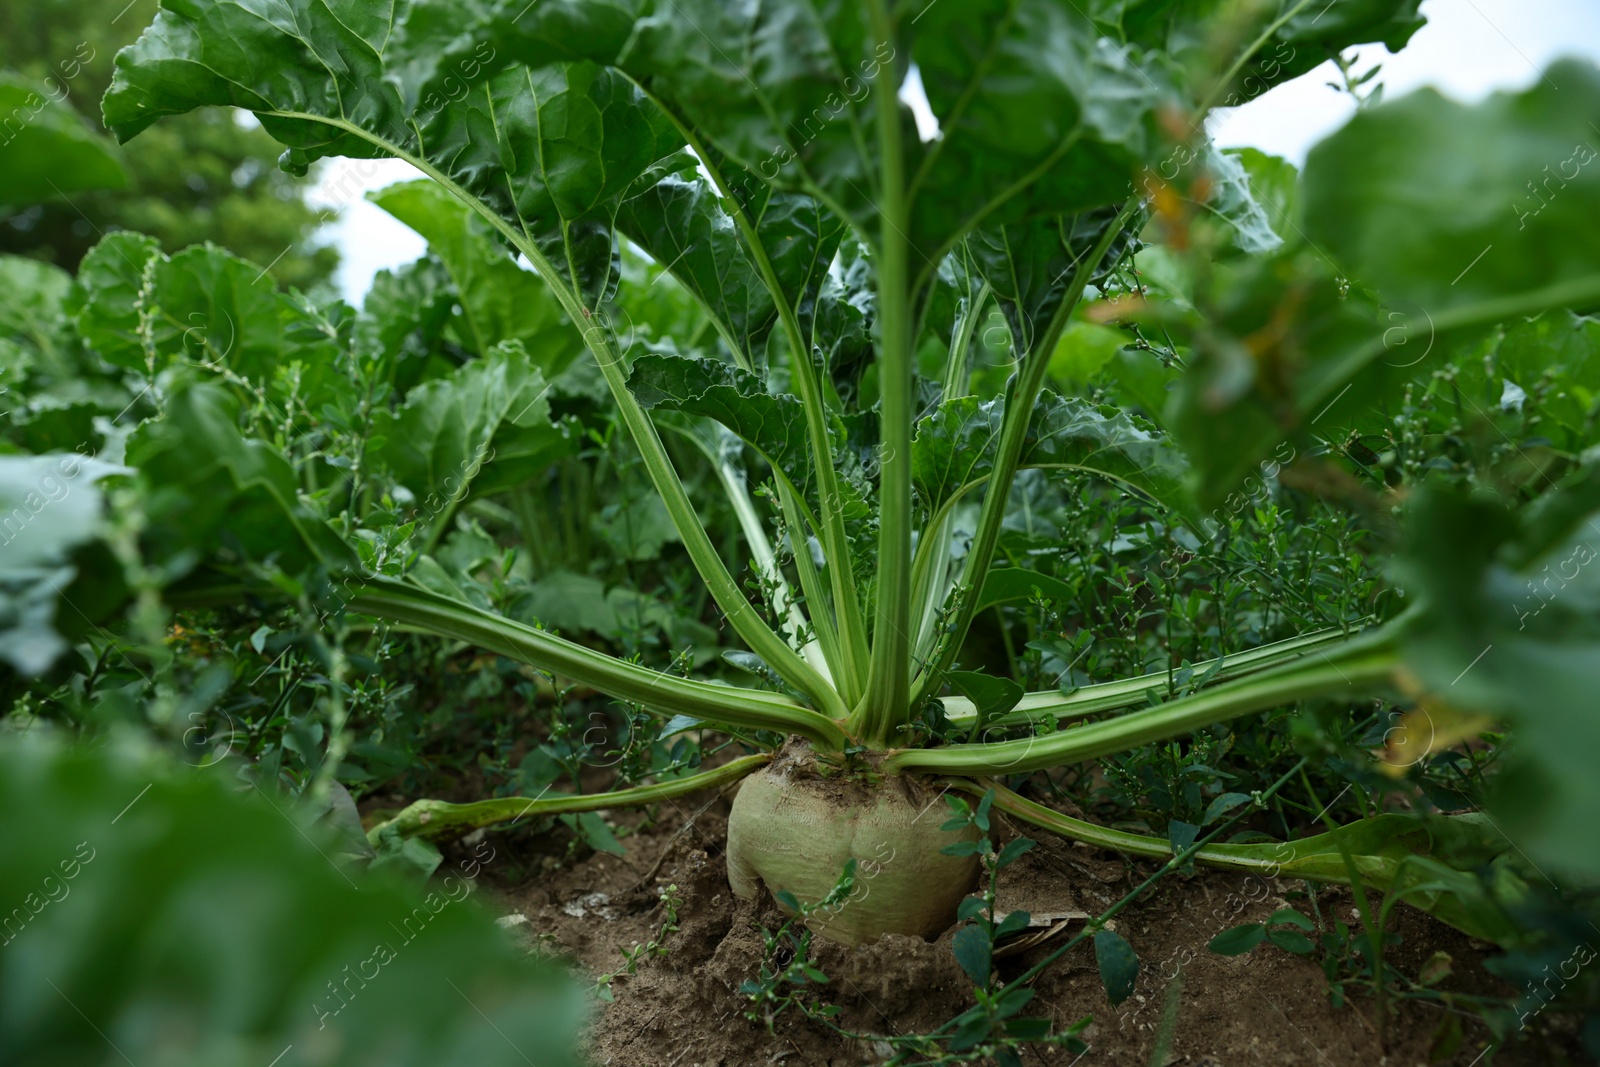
(1468, 49)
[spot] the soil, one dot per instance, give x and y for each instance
(682, 1008)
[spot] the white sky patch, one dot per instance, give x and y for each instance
(1468, 49)
(369, 239)
(914, 96)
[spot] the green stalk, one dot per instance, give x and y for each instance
(746, 622)
(1319, 858)
(1373, 924)
(398, 602)
(887, 704)
(1362, 666)
(434, 818)
(1055, 705)
(815, 651)
(850, 662)
(1020, 398)
(931, 563)
(1245, 56)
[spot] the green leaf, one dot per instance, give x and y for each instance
(680, 223)
(1238, 940)
(635, 527)
(32, 297)
(207, 486)
(1565, 348)
(1232, 200)
(483, 429)
(562, 600)
(1416, 200)
(594, 832)
(1283, 338)
(1031, 265)
(1119, 966)
(1083, 352)
(1511, 630)
(973, 952)
(203, 307)
(1014, 851)
(1039, 114)
(1294, 45)
(404, 318)
(413, 856)
(1292, 941)
(991, 696)
(142, 862)
(1014, 922)
(784, 89)
(1275, 185)
(548, 151)
(500, 301)
(1003, 585)
(771, 423)
(1222, 805)
(1452, 207)
(955, 446)
(684, 225)
(1291, 917)
(50, 152)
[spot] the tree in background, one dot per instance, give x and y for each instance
(206, 176)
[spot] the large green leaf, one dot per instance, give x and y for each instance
(158, 913)
(549, 151)
(483, 429)
(1283, 338)
(1456, 207)
(680, 223)
(49, 151)
(1565, 349)
(1031, 266)
(499, 300)
(1416, 198)
(146, 311)
(211, 495)
(1511, 629)
(771, 423)
(683, 223)
(1209, 35)
(955, 447)
(404, 319)
(784, 89)
(1038, 112)
(32, 296)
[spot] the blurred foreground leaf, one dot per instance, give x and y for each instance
(154, 915)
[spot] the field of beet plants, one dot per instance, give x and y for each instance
(865, 537)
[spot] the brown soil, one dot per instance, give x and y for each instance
(683, 1008)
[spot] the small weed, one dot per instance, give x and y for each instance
(656, 946)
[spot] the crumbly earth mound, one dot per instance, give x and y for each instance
(684, 1009)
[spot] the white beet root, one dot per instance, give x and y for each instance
(793, 830)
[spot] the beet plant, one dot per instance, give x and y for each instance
(862, 262)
